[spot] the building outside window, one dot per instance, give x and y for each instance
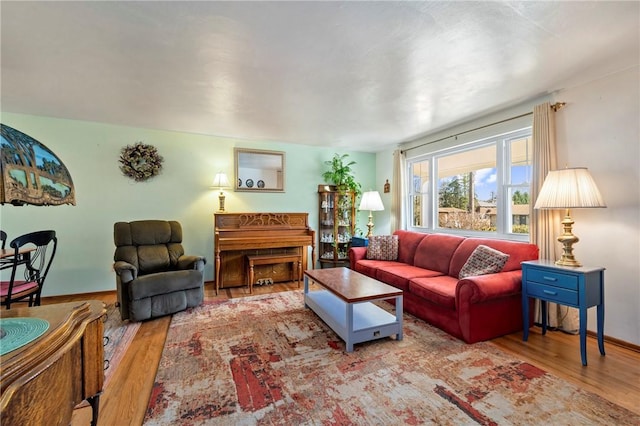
(482, 188)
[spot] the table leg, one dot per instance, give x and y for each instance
(94, 401)
(583, 335)
(600, 313)
(399, 316)
(349, 344)
(525, 317)
(543, 305)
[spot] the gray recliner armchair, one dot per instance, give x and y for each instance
(153, 275)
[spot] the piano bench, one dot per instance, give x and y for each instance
(272, 259)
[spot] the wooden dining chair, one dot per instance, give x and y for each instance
(31, 261)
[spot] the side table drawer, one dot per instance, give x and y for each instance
(552, 293)
(552, 278)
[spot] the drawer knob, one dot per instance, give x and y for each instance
(553, 293)
(550, 279)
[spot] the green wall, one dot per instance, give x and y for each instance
(181, 192)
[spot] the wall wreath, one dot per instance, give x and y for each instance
(140, 161)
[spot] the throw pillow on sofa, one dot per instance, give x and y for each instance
(483, 260)
(383, 247)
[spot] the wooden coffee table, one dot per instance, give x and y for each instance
(345, 305)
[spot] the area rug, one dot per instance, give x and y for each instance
(266, 360)
(118, 336)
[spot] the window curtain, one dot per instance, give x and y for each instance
(545, 224)
(397, 190)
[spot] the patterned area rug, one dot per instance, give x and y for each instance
(266, 360)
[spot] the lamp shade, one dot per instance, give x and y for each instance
(569, 189)
(371, 201)
(221, 181)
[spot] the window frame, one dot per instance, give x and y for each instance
(430, 200)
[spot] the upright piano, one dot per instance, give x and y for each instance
(240, 234)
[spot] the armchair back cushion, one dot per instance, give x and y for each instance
(149, 245)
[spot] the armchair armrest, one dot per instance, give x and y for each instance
(126, 271)
(355, 254)
(491, 286)
(191, 262)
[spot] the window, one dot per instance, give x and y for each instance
(482, 188)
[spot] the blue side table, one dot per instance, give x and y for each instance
(581, 287)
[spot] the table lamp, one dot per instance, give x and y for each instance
(220, 182)
(371, 201)
(571, 188)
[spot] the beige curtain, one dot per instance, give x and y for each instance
(545, 224)
(397, 191)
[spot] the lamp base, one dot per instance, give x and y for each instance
(567, 239)
(370, 225)
(221, 200)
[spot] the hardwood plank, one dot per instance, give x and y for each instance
(615, 377)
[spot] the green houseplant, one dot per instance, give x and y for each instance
(341, 175)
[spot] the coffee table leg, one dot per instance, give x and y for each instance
(399, 316)
(349, 345)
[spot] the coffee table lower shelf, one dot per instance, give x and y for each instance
(355, 322)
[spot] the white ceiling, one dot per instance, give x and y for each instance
(354, 75)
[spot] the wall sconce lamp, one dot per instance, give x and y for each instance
(220, 182)
(571, 188)
(371, 201)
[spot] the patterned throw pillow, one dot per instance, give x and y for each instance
(483, 260)
(383, 247)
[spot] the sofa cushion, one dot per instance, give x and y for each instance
(407, 244)
(440, 290)
(484, 260)
(383, 247)
(370, 267)
(399, 274)
(518, 252)
(435, 251)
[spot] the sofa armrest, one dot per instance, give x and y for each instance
(491, 286)
(126, 271)
(355, 254)
(191, 262)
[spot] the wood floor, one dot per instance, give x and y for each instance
(615, 376)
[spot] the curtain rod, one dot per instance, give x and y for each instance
(554, 107)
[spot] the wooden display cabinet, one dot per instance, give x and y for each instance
(337, 214)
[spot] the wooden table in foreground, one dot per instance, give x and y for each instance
(41, 382)
(345, 305)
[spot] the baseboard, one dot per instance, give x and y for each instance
(612, 340)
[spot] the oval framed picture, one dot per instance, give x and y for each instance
(249, 183)
(260, 184)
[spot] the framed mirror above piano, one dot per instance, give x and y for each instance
(259, 170)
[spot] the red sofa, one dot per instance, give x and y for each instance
(472, 309)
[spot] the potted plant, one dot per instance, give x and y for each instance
(341, 175)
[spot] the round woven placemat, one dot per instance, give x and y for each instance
(17, 332)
